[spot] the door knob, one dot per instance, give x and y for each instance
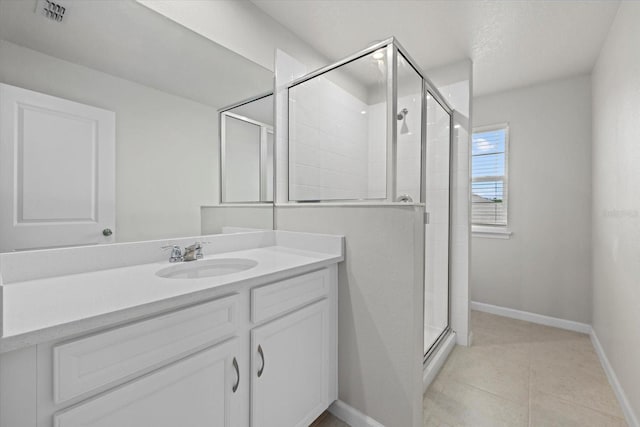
(107, 232)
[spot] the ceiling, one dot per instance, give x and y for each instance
(128, 40)
(512, 43)
(260, 110)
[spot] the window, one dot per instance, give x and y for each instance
(489, 178)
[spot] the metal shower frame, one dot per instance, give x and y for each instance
(393, 49)
(226, 111)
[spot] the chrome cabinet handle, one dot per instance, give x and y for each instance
(107, 232)
(235, 365)
(260, 352)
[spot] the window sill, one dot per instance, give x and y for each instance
(491, 232)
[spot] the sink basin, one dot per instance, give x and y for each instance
(207, 268)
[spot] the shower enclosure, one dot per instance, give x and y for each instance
(373, 128)
(246, 150)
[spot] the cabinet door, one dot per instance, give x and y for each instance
(194, 392)
(290, 368)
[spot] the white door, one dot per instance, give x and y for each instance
(195, 392)
(57, 172)
(290, 368)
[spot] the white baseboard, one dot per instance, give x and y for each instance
(437, 361)
(532, 317)
(629, 414)
(352, 416)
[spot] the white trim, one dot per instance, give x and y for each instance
(437, 361)
(489, 128)
(265, 129)
(532, 317)
(352, 416)
(350, 204)
(247, 119)
(491, 232)
(629, 414)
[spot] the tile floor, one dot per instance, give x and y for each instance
(519, 374)
(328, 420)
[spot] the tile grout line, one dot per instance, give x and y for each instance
(560, 398)
(580, 405)
(484, 391)
(532, 358)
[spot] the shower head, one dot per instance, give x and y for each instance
(402, 115)
(404, 129)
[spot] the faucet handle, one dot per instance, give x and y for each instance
(176, 253)
(198, 248)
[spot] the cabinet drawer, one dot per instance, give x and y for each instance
(98, 360)
(195, 391)
(278, 298)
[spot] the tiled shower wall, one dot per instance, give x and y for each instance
(409, 153)
(377, 150)
(338, 145)
(328, 142)
(408, 164)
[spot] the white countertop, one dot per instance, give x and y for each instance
(47, 308)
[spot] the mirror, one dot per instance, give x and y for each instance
(246, 135)
(109, 126)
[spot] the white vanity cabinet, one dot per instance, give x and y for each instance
(290, 368)
(196, 391)
(293, 350)
(257, 355)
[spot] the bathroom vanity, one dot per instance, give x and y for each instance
(105, 336)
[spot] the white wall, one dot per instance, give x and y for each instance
(380, 304)
(254, 216)
(616, 201)
(241, 160)
(239, 26)
(166, 146)
(545, 267)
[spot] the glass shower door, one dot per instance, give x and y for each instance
(437, 168)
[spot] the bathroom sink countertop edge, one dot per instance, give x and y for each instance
(44, 309)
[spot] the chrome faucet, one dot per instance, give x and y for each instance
(193, 252)
(176, 253)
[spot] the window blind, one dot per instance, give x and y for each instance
(488, 177)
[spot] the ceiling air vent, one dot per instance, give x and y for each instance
(51, 10)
